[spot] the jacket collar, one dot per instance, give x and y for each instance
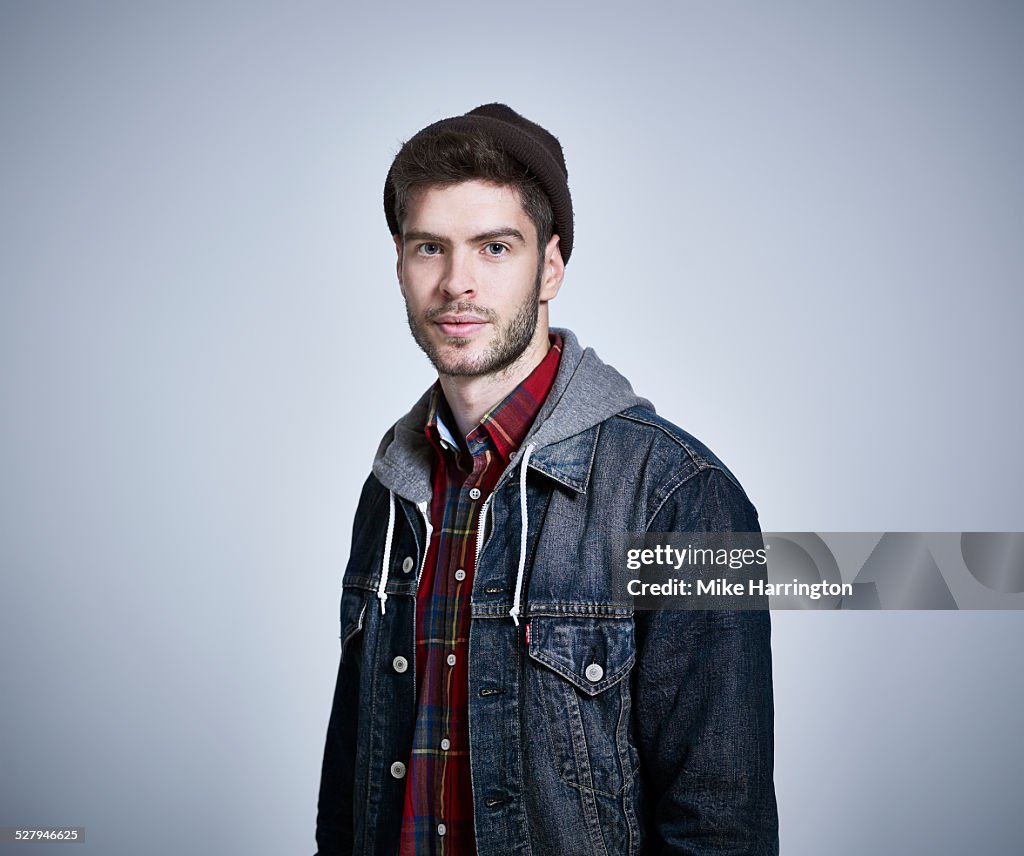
(568, 462)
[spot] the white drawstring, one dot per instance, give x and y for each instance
(422, 506)
(514, 612)
(382, 595)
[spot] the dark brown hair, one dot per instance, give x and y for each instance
(452, 156)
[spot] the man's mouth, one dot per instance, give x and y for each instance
(458, 325)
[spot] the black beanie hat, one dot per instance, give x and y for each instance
(528, 143)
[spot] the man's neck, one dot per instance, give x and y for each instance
(471, 397)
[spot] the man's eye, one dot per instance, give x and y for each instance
(495, 249)
(429, 249)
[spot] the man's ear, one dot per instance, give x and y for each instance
(398, 261)
(553, 270)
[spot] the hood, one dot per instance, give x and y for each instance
(586, 392)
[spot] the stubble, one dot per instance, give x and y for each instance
(509, 344)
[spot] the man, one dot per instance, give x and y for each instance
(494, 696)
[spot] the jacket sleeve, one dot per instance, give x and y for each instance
(704, 708)
(335, 811)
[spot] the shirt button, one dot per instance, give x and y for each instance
(446, 744)
(398, 770)
(474, 493)
(594, 673)
(460, 575)
(407, 564)
(441, 829)
(400, 664)
(451, 660)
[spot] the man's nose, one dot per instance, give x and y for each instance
(459, 280)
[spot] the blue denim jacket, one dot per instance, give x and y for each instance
(607, 732)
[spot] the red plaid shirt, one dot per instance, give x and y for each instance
(438, 814)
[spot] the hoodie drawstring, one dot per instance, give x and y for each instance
(422, 506)
(514, 612)
(382, 595)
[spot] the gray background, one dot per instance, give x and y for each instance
(798, 231)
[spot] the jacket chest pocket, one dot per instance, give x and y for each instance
(579, 677)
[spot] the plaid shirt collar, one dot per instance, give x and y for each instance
(505, 425)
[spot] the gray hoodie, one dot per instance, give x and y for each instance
(585, 393)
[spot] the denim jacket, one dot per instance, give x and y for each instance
(599, 731)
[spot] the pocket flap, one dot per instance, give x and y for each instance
(592, 653)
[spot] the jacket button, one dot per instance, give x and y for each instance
(398, 770)
(407, 564)
(400, 664)
(474, 493)
(594, 673)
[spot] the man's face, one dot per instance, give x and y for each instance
(473, 277)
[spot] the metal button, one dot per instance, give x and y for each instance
(460, 575)
(474, 493)
(451, 660)
(446, 744)
(398, 770)
(441, 829)
(400, 664)
(594, 673)
(407, 564)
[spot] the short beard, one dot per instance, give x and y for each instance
(508, 347)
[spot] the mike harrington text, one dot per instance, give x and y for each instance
(726, 588)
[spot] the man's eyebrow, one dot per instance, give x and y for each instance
(490, 235)
(501, 232)
(423, 236)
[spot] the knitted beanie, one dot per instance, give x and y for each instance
(526, 142)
